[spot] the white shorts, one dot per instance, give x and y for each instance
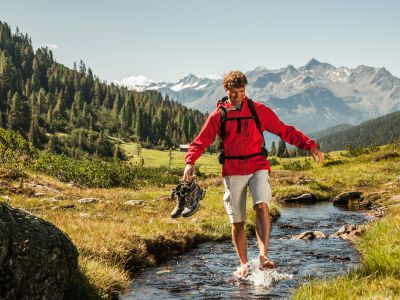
(236, 192)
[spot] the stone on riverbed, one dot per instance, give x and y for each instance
(310, 235)
(348, 232)
(343, 199)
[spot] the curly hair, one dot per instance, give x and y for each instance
(235, 79)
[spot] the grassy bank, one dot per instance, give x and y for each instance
(379, 274)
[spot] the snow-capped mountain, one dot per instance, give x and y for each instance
(312, 97)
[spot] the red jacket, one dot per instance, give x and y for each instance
(248, 141)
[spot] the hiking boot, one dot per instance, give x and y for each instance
(181, 200)
(194, 195)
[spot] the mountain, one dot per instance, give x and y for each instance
(378, 131)
(312, 97)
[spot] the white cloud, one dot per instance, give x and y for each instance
(52, 46)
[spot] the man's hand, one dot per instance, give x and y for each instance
(317, 155)
(188, 173)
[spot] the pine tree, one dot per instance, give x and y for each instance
(51, 144)
(81, 139)
(116, 107)
(49, 116)
(139, 129)
(123, 119)
(33, 134)
(58, 111)
(78, 100)
(286, 153)
(17, 114)
(72, 114)
(35, 83)
(90, 133)
(281, 148)
(117, 150)
(273, 149)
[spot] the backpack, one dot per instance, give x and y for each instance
(224, 119)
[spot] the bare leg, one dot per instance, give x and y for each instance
(263, 229)
(240, 241)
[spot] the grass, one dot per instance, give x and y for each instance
(116, 240)
(208, 163)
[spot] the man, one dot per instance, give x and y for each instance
(244, 162)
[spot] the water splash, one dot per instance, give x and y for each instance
(265, 278)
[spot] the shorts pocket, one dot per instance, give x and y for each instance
(270, 187)
(228, 202)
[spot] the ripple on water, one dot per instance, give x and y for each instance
(265, 278)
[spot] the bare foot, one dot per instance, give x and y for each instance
(242, 271)
(265, 263)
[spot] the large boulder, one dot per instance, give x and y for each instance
(304, 198)
(343, 199)
(37, 260)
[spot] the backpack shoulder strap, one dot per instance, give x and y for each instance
(255, 117)
(223, 114)
(254, 113)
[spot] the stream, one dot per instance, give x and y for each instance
(207, 271)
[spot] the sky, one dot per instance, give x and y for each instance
(165, 40)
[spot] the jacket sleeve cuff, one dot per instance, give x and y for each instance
(313, 145)
(188, 161)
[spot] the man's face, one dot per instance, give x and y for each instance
(236, 95)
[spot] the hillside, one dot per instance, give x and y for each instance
(377, 131)
(72, 111)
(327, 131)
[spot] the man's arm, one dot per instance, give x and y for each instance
(201, 142)
(271, 123)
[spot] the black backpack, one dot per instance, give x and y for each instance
(224, 119)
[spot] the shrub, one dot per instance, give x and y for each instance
(273, 161)
(354, 152)
(99, 173)
(296, 165)
(15, 154)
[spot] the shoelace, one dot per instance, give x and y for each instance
(182, 189)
